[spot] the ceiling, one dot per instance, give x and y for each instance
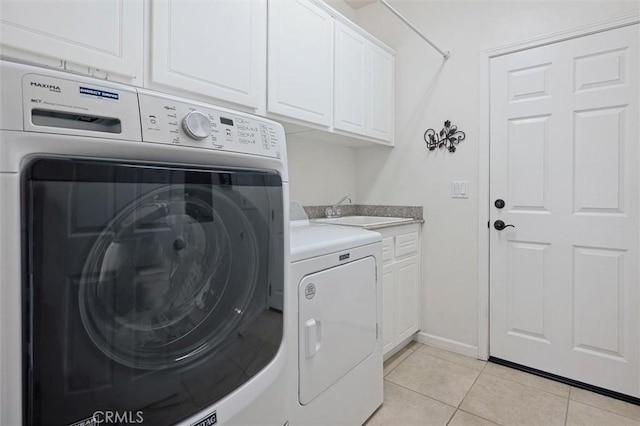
(357, 4)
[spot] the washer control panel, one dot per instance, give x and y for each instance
(171, 121)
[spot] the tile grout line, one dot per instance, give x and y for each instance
(458, 363)
(432, 398)
(566, 414)
(617, 413)
(449, 361)
(416, 346)
(412, 351)
(465, 397)
(456, 409)
(529, 386)
(438, 356)
(423, 395)
(452, 416)
(483, 418)
(568, 397)
(470, 387)
(427, 396)
(389, 372)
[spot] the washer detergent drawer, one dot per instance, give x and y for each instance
(336, 324)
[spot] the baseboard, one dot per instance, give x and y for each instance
(447, 344)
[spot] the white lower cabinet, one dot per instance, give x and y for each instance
(400, 284)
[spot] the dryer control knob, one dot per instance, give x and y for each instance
(196, 125)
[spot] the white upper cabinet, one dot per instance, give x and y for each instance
(300, 70)
(380, 93)
(350, 91)
(106, 35)
(323, 72)
(212, 48)
(364, 78)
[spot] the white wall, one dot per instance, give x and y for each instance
(429, 92)
(320, 174)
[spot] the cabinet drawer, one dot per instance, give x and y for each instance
(387, 250)
(406, 244)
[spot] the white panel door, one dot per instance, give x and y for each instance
(300, 68)
(103, 34)
(381, 93)
(350, 96)
(564, 158)
(213, 48)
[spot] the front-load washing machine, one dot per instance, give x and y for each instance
(336, 282)
(142, 247)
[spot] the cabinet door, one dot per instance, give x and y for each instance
(406, 298)
(381, 82)
(213, 48)
(388, 328)
(102, 34)
(300, 70)
(350, 93)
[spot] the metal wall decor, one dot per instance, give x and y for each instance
(448, 137)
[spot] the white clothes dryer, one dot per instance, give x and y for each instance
(140, 237)
(336, 274)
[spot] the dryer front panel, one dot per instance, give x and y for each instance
(337, 324)
(147, 288)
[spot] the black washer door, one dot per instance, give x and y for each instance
(149, 287)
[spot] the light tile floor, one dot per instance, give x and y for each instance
(424, 385)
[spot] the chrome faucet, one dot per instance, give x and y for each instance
(334, 211)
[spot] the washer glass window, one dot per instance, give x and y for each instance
(147, 287)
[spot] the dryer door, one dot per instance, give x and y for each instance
(337, 324)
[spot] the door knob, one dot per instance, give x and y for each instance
(499, 203)
(500, 225)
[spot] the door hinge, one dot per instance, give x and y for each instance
(269, 290)
(376, 331)
(488, 224)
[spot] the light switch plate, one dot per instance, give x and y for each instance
(460, 189)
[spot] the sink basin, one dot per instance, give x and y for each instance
(363, 221)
